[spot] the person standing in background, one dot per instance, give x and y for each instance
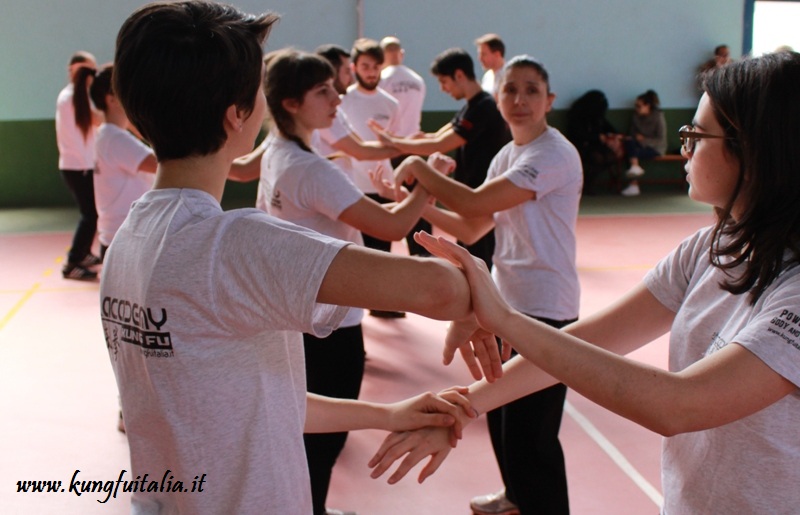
(491, 54)
(75, 131)
(408, 88)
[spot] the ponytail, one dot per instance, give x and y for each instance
(80, 98)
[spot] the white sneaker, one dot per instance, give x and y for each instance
(631, 191)
(634, 171)
(493, 504)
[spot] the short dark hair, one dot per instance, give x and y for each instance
(369, 47)
(101, 86)
(757, 103)
(333, 53)
(179, 66)
(494, 43)
(446, 63)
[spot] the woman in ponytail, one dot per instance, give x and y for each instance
(75, 128)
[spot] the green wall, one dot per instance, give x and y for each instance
(29, 159)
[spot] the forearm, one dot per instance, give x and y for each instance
(451, 193)
(365, 150)
(329, 415)
(467, 230)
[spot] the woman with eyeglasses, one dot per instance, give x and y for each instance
(729, 405)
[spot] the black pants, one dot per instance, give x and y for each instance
(81, 185)
(335, 368)
(524, 436)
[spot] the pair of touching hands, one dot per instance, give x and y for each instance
(393, 187)
(474, 339)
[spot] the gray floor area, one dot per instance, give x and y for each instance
(59, 219)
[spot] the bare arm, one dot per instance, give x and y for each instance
(495, 195)
(443, 141)
(467, 230)
(248, 167)
(354, 146)
(387, 223)
(148, 164)
(366, 278)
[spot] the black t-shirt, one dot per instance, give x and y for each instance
(481, 125)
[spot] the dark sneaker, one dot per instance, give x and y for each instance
(90, 260)
(78, 272)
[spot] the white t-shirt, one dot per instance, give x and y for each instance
(74, 151)
(360, 108)
(534, 255)
(322, 141)
(490, 82)
(304, 188)
(405, 85)
(117, 179)
(751, 465)
(202, 312)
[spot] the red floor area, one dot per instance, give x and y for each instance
(59, 397)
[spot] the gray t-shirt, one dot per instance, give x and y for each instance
(751, 465)
(202, 312)
(534, 257)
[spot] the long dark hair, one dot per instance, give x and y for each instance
(80, 93)
(757, 103)
(290, 75)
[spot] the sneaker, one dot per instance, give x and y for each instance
(90, 260)
(493, 504)
(377, 313)
(634, 171)
(73, 271)
(631, 191)
(329, 511)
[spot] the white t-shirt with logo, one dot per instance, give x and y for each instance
(307, 189)
(405, 85)
(360, 108)
(202, 312)
(117, 179)
(534, 256)
(750, 465)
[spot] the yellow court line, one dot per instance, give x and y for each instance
(18, 305)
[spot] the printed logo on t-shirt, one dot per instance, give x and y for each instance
(128, 322)
(529, 171)
(787, 326)
(717, 342)
(275, 201)
(404, 87)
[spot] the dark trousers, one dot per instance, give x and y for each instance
(524, 436)
(81, 185)
(334, 368)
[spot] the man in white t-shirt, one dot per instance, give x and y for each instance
(405, 85)
(124, 166)
(491, 54)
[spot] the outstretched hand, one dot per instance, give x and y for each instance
(477, 347)
(384, 187)
(490, 309)
(380, 131)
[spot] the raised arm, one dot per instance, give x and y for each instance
(443, 141)
(356, 147)
(495, 195)
(386, 222)
(247, 167)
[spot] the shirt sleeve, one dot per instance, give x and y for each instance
(128, 152)
(327, 190)
(473, 123)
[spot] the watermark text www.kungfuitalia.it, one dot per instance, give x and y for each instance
(108, 489)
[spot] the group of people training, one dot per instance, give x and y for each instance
(248, 357)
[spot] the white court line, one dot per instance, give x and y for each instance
(615, 454)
